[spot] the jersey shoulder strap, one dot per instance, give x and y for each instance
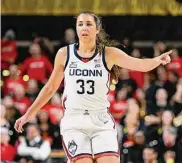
(70, 49)
(104, 59)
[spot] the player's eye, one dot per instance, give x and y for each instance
(80, 24)
(89, 24)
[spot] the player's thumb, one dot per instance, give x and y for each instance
(162, 61)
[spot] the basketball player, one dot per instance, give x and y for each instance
(87, 129)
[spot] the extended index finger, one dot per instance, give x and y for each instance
(168, 53)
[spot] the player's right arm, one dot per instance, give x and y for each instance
(47, 91)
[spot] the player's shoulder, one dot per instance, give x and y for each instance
(111, 51)
(112, 54)
(62, 52)
(61, 55)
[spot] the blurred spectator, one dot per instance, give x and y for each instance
(170, 149)
(33, 148)
(137, 75)
(8, 152)
(12, 114)
(8, 49)
(49, 131)
(3, 121)
(140, 97)
(133, 152)
(133, 137)
(161, 101)
(32, 90)
(69, 37)
(127, 45)
(159, 48)
(167, 119)
(150, 155)
(55, 106)
(152, 122)
(126, 82)
(151, 88)
(131, 121)
(37, 66)
(176, 63)
(132, 107)
(154, 112)
(12, 81)
(57, 140)
(20, 100)
(45, 44)
(161, 76)
(177, 98)
(170, 84)
(118, 107)
(138, 147)
(45, 125)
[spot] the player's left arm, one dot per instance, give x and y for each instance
(121, 59)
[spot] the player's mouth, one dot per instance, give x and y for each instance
(84, 34)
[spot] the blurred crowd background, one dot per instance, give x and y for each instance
(147, 107)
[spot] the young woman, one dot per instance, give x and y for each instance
(87, 128)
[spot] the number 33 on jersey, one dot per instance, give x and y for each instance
(87, 81)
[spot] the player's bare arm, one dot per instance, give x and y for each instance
(115, 56)
(47, 91)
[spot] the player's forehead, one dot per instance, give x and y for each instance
(85, 18)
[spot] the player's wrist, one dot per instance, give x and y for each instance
(157, 60)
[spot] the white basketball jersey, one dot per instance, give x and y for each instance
(86, 81)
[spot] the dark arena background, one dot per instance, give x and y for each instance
(147, 107)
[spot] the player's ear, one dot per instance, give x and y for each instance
(97, 32)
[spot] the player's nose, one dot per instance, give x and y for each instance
(85, 28)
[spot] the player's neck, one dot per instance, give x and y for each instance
(87, 48)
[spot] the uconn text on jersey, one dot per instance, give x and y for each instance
(85, 72)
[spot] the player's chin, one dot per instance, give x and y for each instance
(85, 38)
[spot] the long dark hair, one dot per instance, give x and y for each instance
(103, 40)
